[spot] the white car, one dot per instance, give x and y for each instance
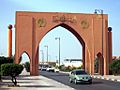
(43, 68)
(57, 70)
(50, 69)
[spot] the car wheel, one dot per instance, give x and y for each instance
(75, 81)
(70, 80)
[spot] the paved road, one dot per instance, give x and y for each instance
(97, 84)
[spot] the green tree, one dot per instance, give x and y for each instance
(96, 65)
(4, 60)
(115, 67)
(27, 66)
(12, 70)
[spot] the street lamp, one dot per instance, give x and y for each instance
(58, 38)
(47, 52)
(101, 12)
(42, 56)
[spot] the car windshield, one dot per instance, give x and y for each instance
(80, 72)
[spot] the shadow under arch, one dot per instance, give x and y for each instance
(24, 52)
(80, 39)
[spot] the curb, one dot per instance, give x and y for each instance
(110, 79)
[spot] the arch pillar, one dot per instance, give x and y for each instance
(101, 65)
(87, 60)
(110, 45)
(10, 41)
(83, 56)
(34, 64)
(92, 62)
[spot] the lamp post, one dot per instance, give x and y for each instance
(42, 56)
(101, 12)
(47, 52)
(58, 38)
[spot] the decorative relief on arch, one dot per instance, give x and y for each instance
(84, 24)
(63, 19)
(41, 22)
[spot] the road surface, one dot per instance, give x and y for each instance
(98, 84)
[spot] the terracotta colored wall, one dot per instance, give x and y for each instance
(86, 27)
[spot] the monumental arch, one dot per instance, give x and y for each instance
(31, 27)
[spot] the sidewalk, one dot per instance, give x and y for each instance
(28, 82)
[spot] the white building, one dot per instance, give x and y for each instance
(73, 62)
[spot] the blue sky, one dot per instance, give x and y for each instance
(7, 16)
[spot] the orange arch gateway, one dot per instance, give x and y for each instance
(90, 29)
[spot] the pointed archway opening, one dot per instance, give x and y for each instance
(98, 64)
(71, 46)
(25, 61)
(24, 58)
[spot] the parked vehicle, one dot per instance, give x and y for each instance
(43, 67)
(50, 69)
(57, 70)
(79, 76)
